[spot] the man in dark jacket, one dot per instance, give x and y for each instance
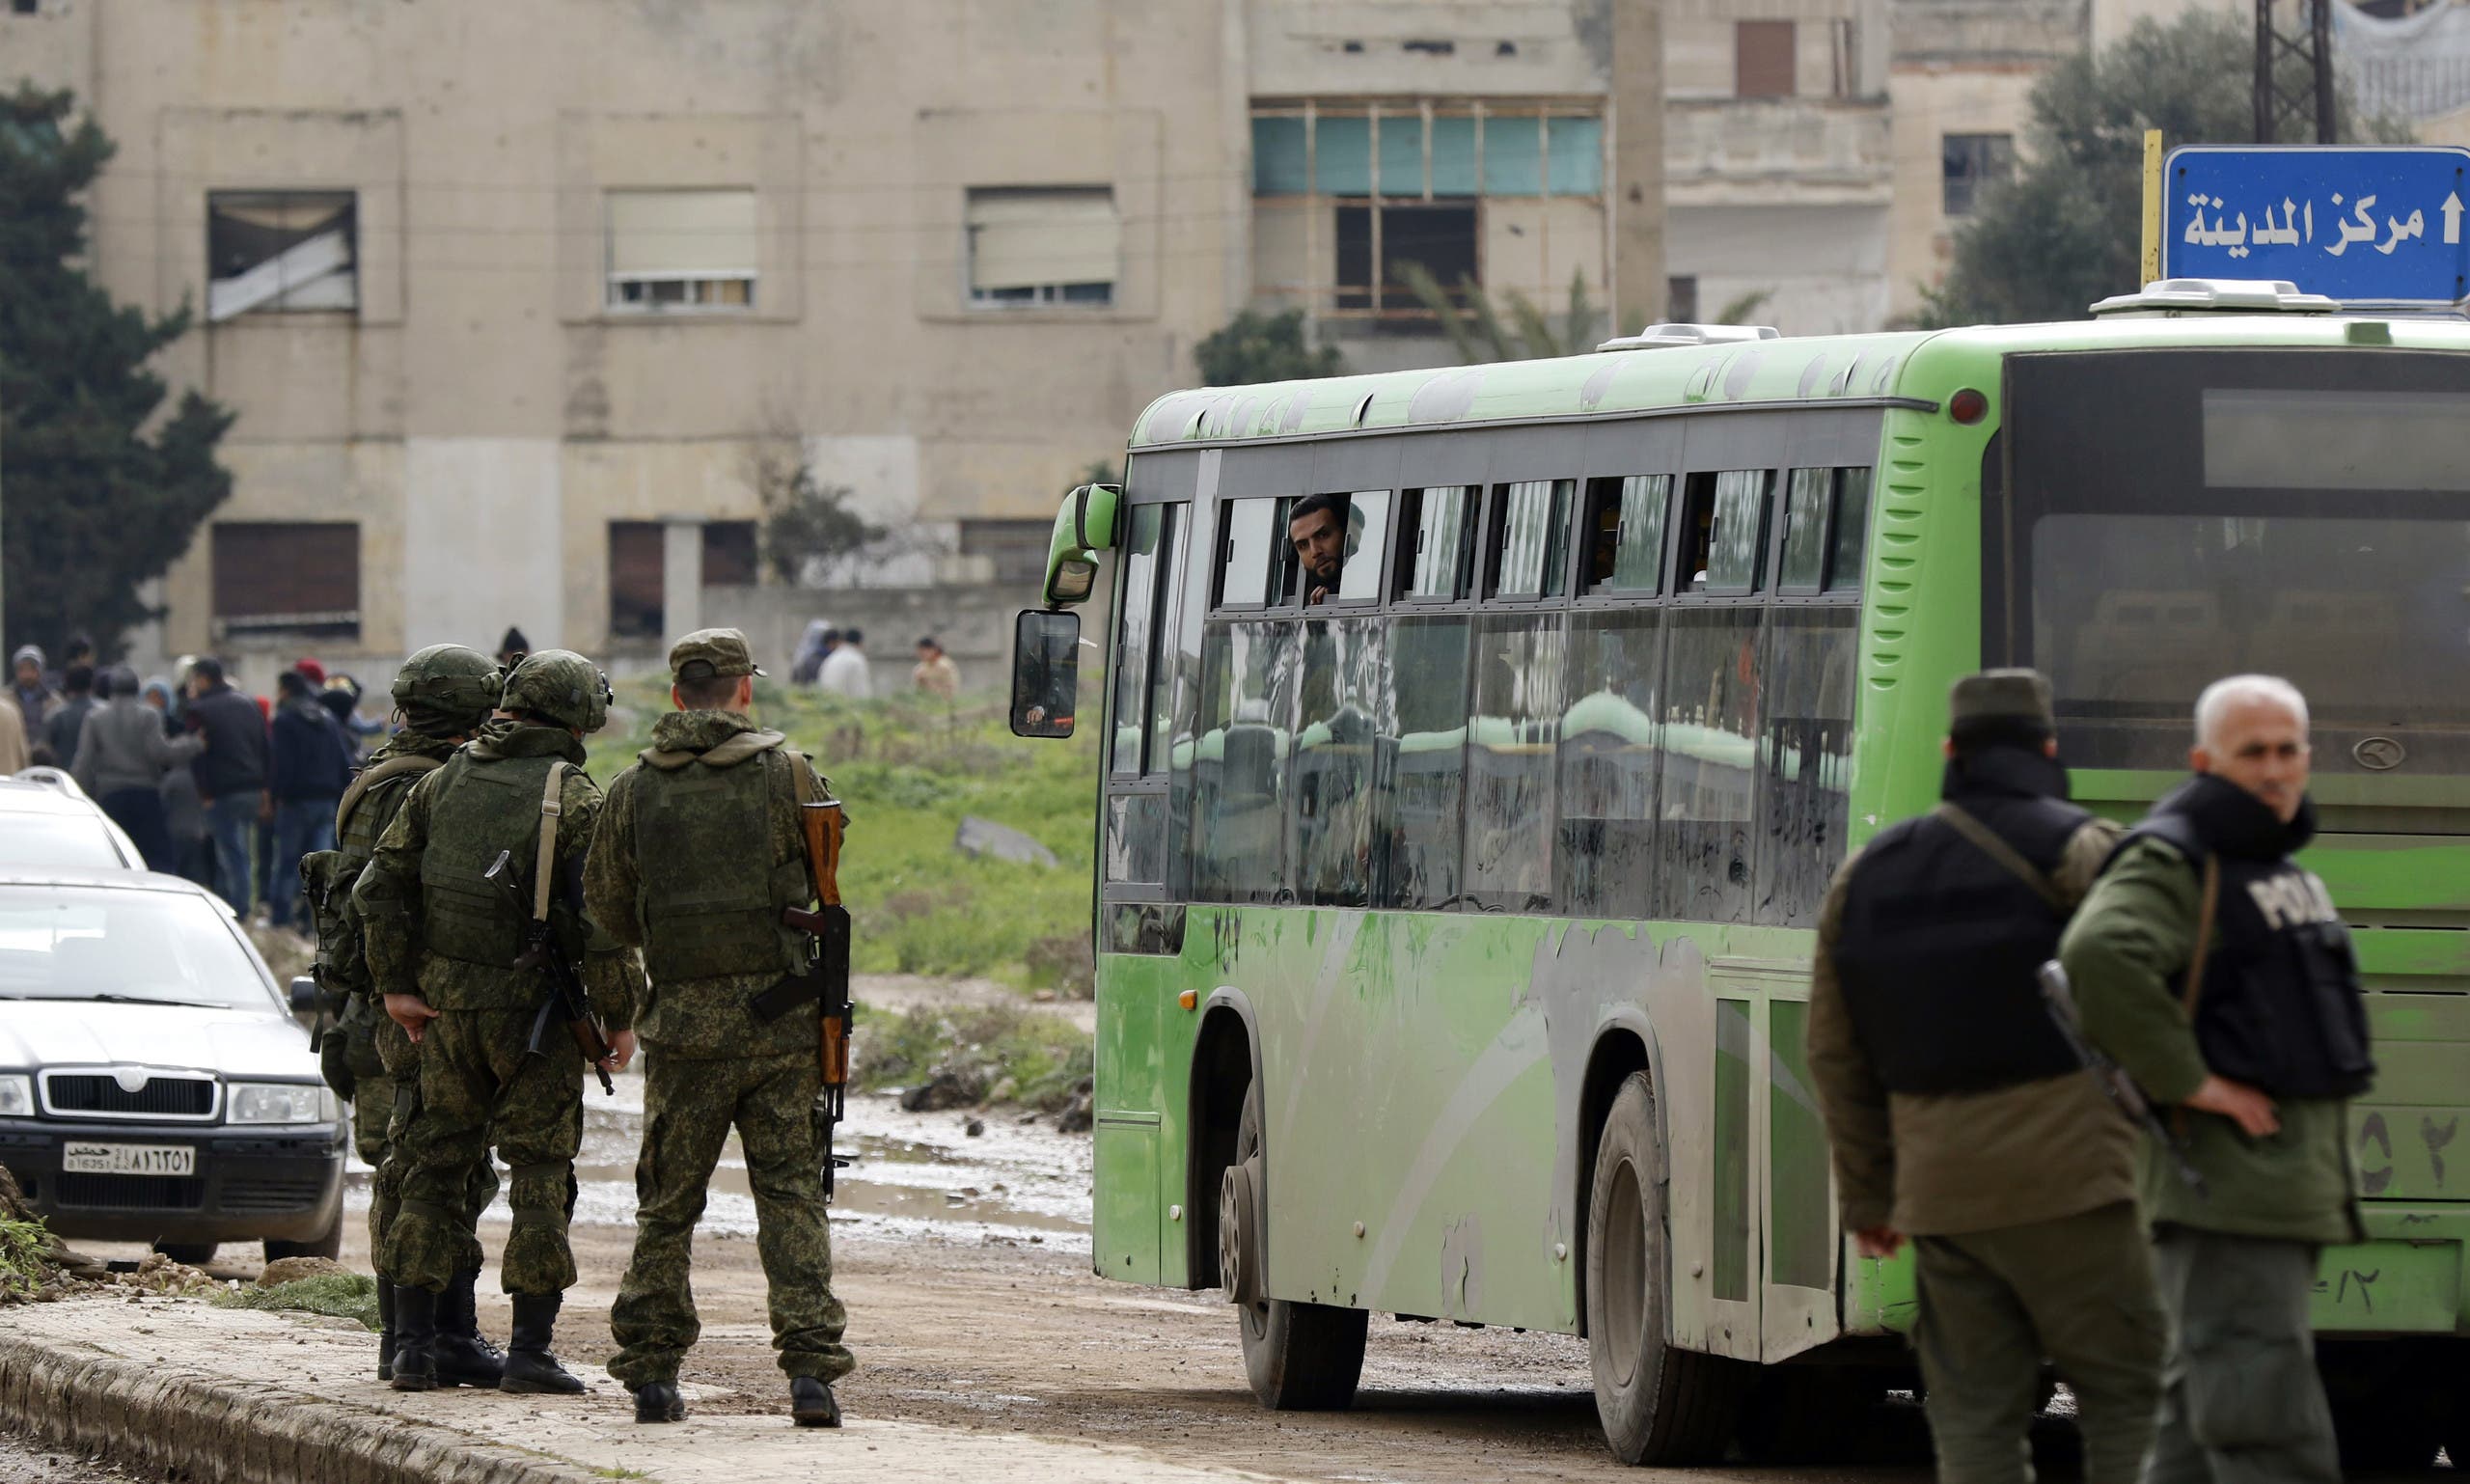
(122, 757)
(231, 775)
(311, 767)
(1960, 1115)
(76, 699)
(2201, 940)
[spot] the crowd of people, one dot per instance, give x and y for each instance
(208, 783)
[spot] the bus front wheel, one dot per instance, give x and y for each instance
(1298, 1356)
(1659, 1404)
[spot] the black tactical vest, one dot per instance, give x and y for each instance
(2279, 1005)
(1939, 947)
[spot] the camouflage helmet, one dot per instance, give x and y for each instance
(560, 686)
(448, 683)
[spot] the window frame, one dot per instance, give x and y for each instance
(344, 199)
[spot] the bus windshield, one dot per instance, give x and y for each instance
(2178, 516)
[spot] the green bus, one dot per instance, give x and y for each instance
(1453, 929)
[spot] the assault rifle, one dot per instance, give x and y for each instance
(2060, 998)
(827, 973)
(569, 1002)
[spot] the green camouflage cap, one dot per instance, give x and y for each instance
(708, 654)
(2003, 697)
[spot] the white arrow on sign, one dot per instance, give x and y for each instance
(2453, 217)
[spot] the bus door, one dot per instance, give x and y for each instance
(1769, 1287)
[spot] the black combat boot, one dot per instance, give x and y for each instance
(530, 1367)
(385, 1331)
(465, 1358)
(415, 1366)
(810, 1403)
(658, 1401)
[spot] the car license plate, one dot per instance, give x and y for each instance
(128, 1159)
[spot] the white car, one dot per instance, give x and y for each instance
(154, 1083)
(48, 823)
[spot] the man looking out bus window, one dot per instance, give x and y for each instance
(2198, 958)
(1962, 1116)
(1317, 527)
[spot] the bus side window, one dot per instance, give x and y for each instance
(1604, 861)
(1247, 552)
(1805, 759)
(1240, 774)
(1706, 840)
(1827, 528)
(1724, 530)
(1512, 730)
(1531, 554)
(1625, 530)
(1850, 536)
(1435, 543)
(1337, 758)
(1416, 848)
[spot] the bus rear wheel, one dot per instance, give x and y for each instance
(1298, 1356)
(1659, 1404)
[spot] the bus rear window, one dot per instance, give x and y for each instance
(2177, 517)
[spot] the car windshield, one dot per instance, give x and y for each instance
(87, 943)
(57, 842)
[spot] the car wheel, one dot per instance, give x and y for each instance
(327, 1243)
(196, 1254)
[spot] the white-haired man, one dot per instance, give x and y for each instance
(2218, 973)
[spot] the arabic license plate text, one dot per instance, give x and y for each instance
(128, 1159)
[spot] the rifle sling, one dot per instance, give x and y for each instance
(546, 860)
(1987, 842)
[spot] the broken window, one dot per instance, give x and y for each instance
(280, 251)
(728, 553)
(637, 578)
(1440, 239)
(1043, 246)
(1969, 164)
(690, 249)
(286, 577)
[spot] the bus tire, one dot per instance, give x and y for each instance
(1298, 1356)
(1659, 1404)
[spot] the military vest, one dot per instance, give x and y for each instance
(709, 892)
(2277, 1000)
(367, 807)
(1939, 946)
(479, 811)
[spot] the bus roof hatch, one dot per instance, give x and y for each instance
(2169, 296)
(1656, 336)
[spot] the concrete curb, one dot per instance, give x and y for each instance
(196, 1426)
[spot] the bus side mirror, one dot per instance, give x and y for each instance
(1046, 671)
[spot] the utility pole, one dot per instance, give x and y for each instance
(2307, 36)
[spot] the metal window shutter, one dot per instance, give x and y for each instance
(1023, 239)
(670, 234)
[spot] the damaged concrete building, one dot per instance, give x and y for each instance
(522, 306)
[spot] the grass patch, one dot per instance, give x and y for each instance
(1001, 1052)
(343, 1295)
(621, 1471)
(23, 1247)
(909, 769)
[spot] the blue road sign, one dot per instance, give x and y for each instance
(2380, 224)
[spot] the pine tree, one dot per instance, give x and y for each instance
(92, 501)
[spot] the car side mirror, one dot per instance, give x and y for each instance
(1046, 671)
(304, 995)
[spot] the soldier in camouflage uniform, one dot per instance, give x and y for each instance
(444, 692)
(443, 940)
(698, 851)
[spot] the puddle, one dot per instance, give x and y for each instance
(911, 1175)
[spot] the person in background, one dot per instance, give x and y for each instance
(2218, 973)
(311, 767)
(342, 697)
(936, 674)
(512, 648)
(816, 642)
(231, 775)
(123, 757)
(35, 698)
(80, 652)
(192, 846)
(844, 669)
(13, 756)
(77, 694)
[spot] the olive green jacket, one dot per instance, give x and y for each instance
(387, 901)
(1947, 1163)
(704, 1017)
(2134, 935)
